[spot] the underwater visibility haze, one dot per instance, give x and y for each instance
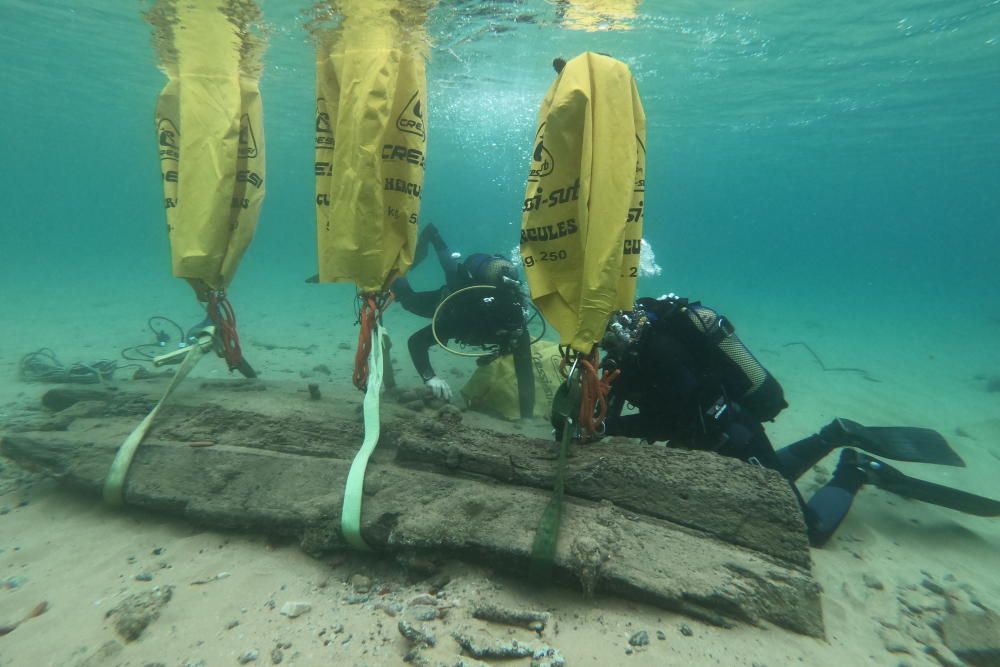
(825, 174)
(799, 151)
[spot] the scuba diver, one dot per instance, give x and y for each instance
(484, 307)
(697, 386)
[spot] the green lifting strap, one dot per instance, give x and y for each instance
(350, 515)
(565, 404)
(114, 483)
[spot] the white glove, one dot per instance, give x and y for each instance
(439, 387)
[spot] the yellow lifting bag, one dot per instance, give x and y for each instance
(493, 387)
(210, 131)
(371, 137)
(581, 229)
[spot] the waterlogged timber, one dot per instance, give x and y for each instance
(687, 531)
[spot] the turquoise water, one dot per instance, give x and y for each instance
(826, 173)
(798, 153)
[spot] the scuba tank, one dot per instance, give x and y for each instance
(712, 340)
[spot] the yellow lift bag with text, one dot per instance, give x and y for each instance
(493, 387)
(581, 229)
(371, 137)
(210, 131)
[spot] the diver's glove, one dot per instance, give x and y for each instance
(439, 387)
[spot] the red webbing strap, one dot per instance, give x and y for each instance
(372, 307)
(220, 311)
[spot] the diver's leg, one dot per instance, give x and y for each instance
(419, 303)
(904, 443)
(800, 456)
(743, 437)
(747, 441)
(403, 291)
(525, 374)
(827, 508)
(449, 264)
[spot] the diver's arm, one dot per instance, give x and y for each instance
(524, 372)
(420, 344)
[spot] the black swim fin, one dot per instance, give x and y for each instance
(887, 478)
(901, 443)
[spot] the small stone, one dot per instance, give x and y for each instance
(232, 624)
(686, 630)
(248, 656)
(661, 635)
(422, 599)
(343, 346)
(277, 656)
(872, 582)
(295, 609)
(158, 551)
(314, 392)
(360, 583)
(533, 620)
(484, 646)
(136, 612)
(546, 656)
(422, 612)
(415, 634)
(640, 638)
(322, 368)
(391, 608)
(629, 651)
(337, 629)
(144, 576)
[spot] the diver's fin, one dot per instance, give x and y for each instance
(889, 479)
(902, 443)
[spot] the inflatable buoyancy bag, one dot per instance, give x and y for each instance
(493, 387)
(582, 222)
(711, 338)
(371, 140)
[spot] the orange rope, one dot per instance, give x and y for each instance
(372, 307)
(594, 392)
(221, 312)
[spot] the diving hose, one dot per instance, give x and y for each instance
(434, 319)
(437, 311)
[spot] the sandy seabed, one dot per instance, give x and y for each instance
(891, 570)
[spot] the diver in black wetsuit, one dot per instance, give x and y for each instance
(479, 317)
(695, 385)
